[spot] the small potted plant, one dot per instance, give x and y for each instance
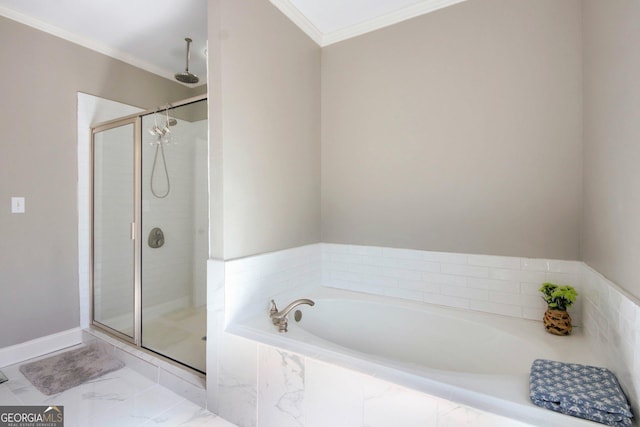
(558, 298)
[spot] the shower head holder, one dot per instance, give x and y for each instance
(163, 133)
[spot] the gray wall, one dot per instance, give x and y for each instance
(39, 249)
(266, 139)
(458, 131)
(612, 140)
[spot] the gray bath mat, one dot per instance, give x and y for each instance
(58, 373)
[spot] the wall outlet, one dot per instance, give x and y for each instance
(17, 205)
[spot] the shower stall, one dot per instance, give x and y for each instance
(150, 230)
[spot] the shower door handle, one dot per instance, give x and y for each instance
(133, 231)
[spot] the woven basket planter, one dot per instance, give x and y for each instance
(557, 322)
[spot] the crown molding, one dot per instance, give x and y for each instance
(421, 8)
(292, 12)
(87, 43)
(325, 39)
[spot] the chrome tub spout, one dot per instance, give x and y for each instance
(279, 318)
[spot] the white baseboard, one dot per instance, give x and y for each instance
(39, 346)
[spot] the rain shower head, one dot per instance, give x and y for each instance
(187, 77)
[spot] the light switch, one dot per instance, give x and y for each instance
(17, 205)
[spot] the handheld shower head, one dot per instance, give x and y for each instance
(187, 77)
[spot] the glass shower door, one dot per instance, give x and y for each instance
(114, 249)
(175, 232)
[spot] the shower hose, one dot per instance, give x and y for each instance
(160, 148)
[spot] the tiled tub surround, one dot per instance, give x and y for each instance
(250, 283)
(612, 324)
(493, 284)
(294, 390)
(503, 285)
(471, 358)
(262, 385)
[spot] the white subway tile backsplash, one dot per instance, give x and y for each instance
(403, 253)
(562, 278)
(611, 319)
(448, 278)
(628, 311)
(568, 267)
(404, 263)
(517, 275)
(400, 273)
(356, 268)
(445, 279)
(340, 248)
(251, 282)
(445, 257)
(348, 257)
(494, 285)
(345, 275)
(600, 321)
(531, 264)
(383, 281)
(628, 344)
(366, 250)
(531, 289)
(330, 265)
(468, 293)
(615, 297)
(465, 270)
(494, 261)
(551, 266)
(438, 257)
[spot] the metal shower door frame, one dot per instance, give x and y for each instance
(135, 227)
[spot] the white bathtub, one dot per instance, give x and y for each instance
(472, 358)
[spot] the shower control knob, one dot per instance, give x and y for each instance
(156, 238)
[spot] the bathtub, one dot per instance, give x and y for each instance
(472, 358)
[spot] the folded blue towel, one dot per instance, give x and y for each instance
(582, 391)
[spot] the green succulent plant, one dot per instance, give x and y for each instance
(558, 297)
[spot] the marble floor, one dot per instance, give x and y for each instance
(122, 398)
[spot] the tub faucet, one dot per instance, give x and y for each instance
(279, 318)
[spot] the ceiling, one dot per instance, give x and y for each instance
(146, 33)
(149, 34)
